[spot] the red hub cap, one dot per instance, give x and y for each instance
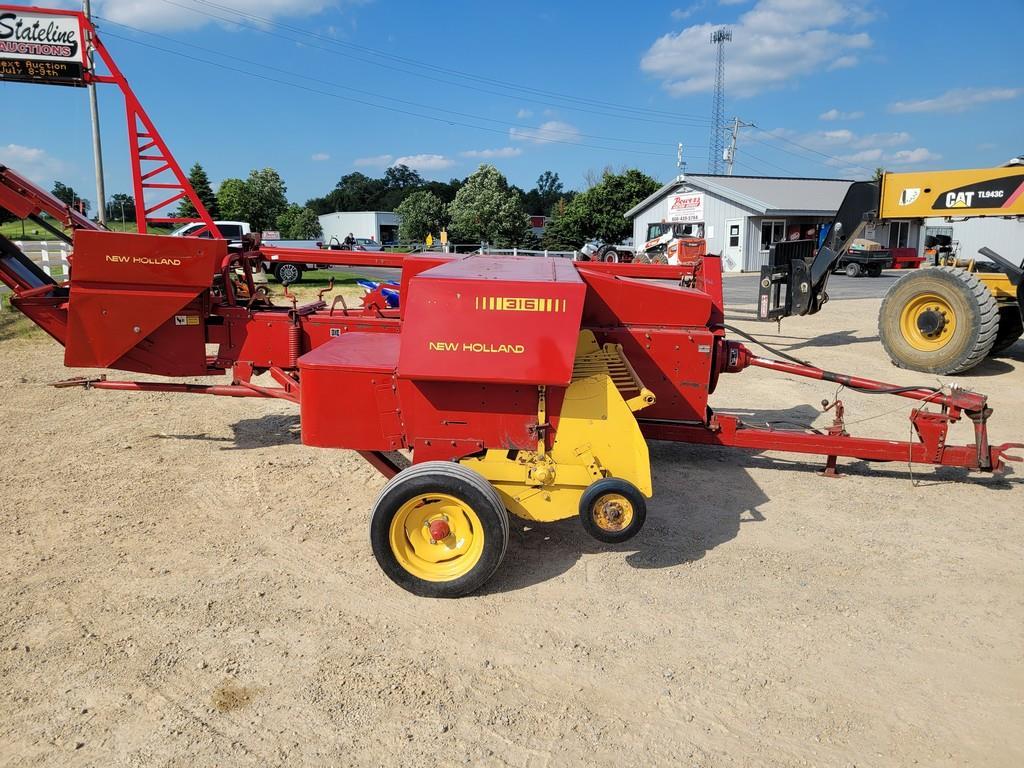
(439, 529)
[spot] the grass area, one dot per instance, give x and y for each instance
(29, 230)
(13, 324)
(315, 281)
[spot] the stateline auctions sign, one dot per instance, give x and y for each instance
(686, 208)
(41, 47)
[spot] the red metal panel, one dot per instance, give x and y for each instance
(125, 286)
(349, 399)
(493, 318)
(615, 300)
(674, 363)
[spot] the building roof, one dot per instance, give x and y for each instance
(763, 195)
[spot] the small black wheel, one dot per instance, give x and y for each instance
(288, 273)
(439, 529)
(853, 269)
(613, 510)
(875, 270)
(609, 254)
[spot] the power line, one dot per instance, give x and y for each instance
(447, 121)
(631, 112)
(538, 129)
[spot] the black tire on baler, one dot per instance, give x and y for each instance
(411, 491)
(970, 304)
(620, 492)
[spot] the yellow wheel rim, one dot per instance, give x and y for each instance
(612, 512)
(925, 309)
(413, 544)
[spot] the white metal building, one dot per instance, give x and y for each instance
(382, 226)
(742, 215)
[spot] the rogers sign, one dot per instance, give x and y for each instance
(687, 207)
(39, 36)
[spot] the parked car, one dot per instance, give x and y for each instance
(367, 244)
(233, 231)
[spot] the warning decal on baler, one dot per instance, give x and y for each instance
(186, 319)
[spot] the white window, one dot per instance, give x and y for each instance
(734, 235)
(899, 234)
(772, 231)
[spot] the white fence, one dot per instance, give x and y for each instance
(49, 256)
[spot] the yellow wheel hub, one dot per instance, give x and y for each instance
(612, 512)
(928, 322)
(436, 537)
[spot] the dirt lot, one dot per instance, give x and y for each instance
(183, 584)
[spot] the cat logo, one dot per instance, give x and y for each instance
(959, 199)
(908, 196)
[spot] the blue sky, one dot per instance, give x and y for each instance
(319, 88)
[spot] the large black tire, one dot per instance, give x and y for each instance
(970, 321)
(853, 269)
(608, 253)
(288, 274)
(453, 480)
(875, 270)
(1011, 327)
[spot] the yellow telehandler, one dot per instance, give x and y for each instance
(944, 318)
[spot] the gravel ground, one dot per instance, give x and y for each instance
(184, 584)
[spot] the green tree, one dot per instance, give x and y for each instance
(68, 196)
(599, 211)
(879, 173)
(420, 214)
(266, 197)
(299, 223)
(259, 200)
(121, 207)
(201, 184)
(542, 198)
(487, 209)
(232, 200)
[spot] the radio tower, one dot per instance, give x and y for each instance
(718, 38)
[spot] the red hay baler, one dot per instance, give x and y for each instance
(519, 386)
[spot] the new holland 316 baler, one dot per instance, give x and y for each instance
(523, 386)
(520, 386)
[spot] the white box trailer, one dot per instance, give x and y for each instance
(381, 226)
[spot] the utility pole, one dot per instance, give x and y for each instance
(730, 153)
(680, 163)
(718, 38)
(97, 147)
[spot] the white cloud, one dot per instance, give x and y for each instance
(546, 133)
(524, 113)
(681, 14)
(864, 156)
(37, 164)
(835, 114)
(320, 157)
(374, 161)
(486, 154)
(425, 162)
(774, 43)
(843, 62)
(150, 14)
(912, 156)
(957, 100)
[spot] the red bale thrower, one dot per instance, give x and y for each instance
(519, 386)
